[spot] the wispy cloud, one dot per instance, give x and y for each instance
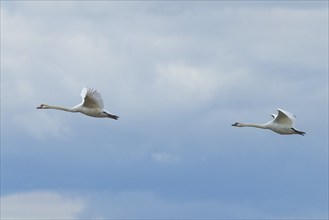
(165, 157)
(40, 205)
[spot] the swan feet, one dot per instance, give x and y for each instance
(115, 117)
(298, 132)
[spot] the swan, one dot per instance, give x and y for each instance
(91, 105)
(282, 123)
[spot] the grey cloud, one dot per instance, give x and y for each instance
(177, 76)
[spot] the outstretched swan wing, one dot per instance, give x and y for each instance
(91, 98)
(284, 118)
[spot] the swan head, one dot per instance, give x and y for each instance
(237, 124)
(43, 106)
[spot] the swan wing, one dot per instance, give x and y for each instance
(288, 114)
(91, 98)
(284, 118)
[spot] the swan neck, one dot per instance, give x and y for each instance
(254, 125)
(61, 108)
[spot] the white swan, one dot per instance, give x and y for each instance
(281, 124)
(91, 105)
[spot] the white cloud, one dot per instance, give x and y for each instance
(183, 81)
(40, 205)
(41, 125)
(165, 157)
(176, 74)
(148, 204)
(169, 59)
(153, 66)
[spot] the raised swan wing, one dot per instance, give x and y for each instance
(91, 98)
(284, 118)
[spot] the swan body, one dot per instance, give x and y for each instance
(282, 123)
(91, 105)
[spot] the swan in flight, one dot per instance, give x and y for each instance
(91, 105)
(282, 123)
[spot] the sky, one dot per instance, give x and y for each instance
(178, 74)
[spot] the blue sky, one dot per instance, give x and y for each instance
(178, 74)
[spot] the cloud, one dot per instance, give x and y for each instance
(147, 204)
(136, 65)
(183, 82)
(41, 126)
(177, 75)
(150, 205)
(136, 204)
(165, 157)
(40, 205)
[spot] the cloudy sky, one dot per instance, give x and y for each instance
(178, 74)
